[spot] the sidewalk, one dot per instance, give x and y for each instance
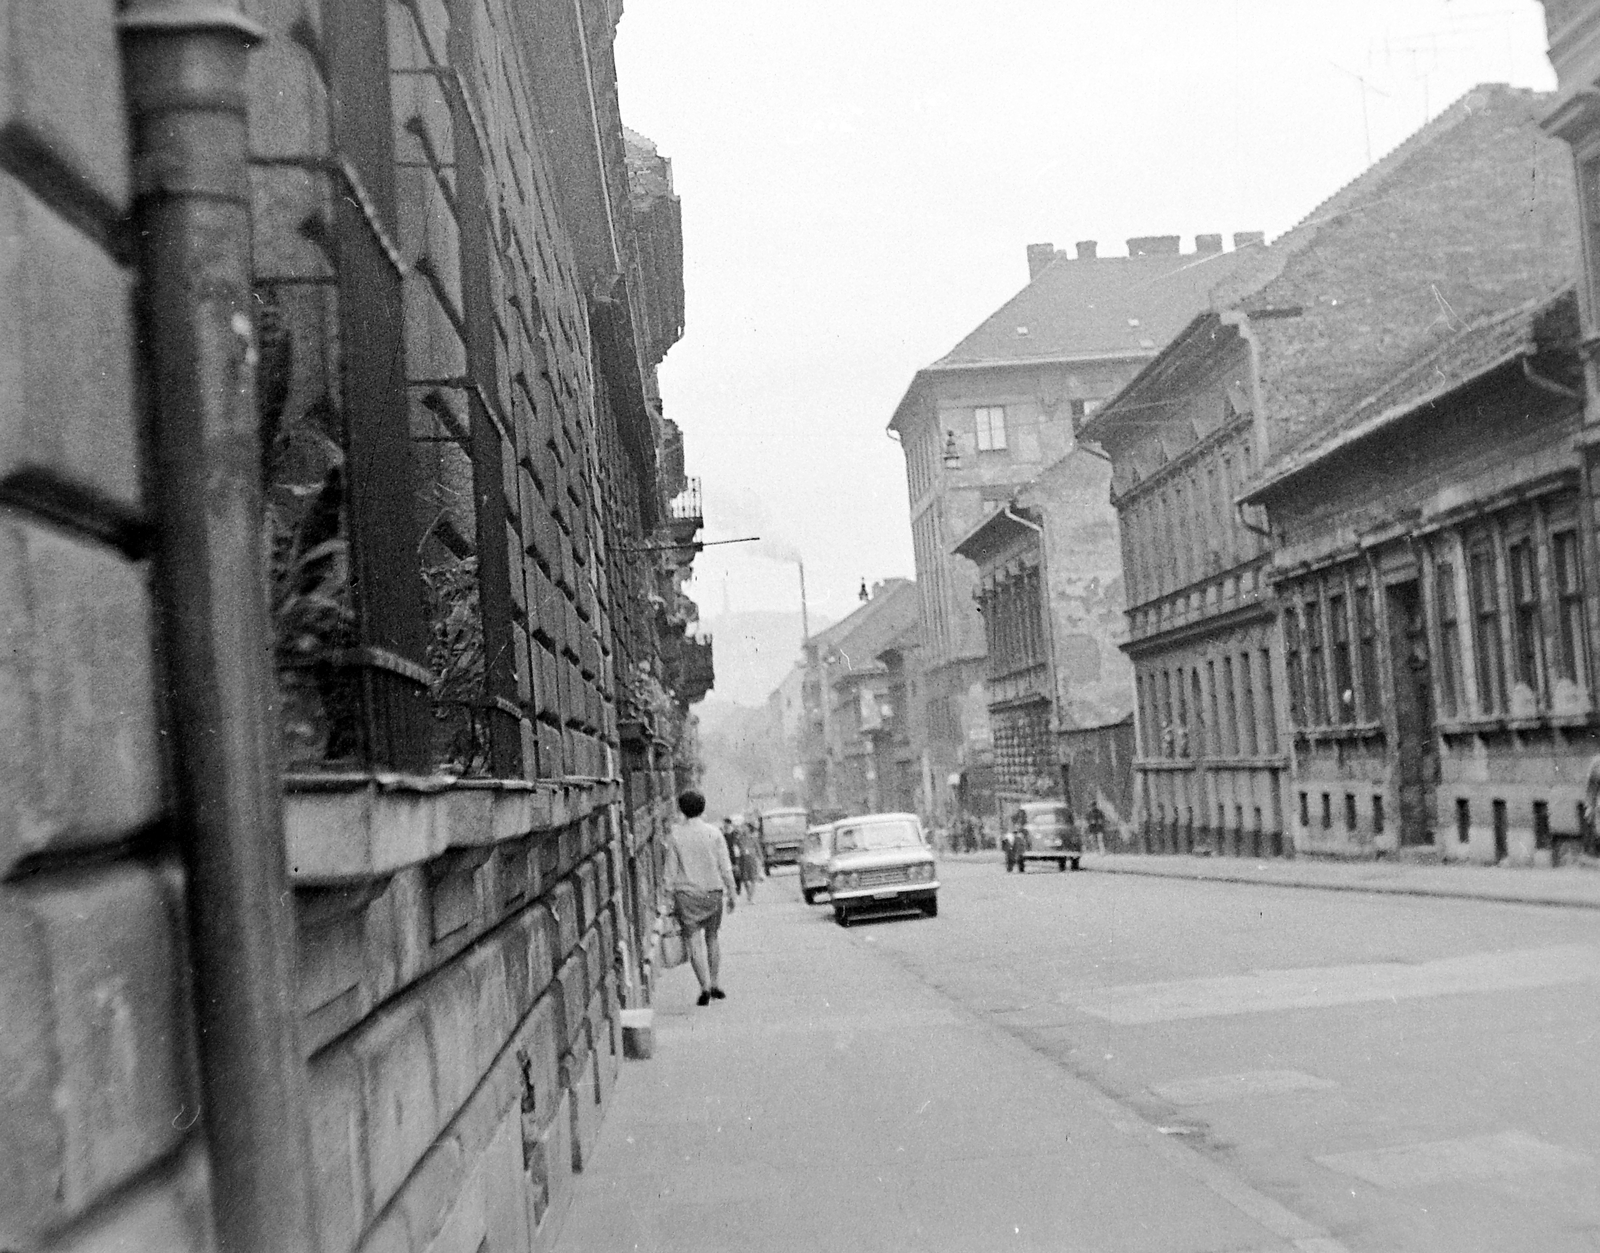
(1574, 887)
(836, 1102)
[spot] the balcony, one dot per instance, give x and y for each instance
(685, 515)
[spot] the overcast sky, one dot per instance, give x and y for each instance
(860, 179)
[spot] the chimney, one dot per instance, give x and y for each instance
(1039, 256)
(1205, 245)
(1243, 239)
(1088, 249)
(1153, 246)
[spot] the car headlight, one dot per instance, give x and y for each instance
(923, 872)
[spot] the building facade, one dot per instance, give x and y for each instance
(1434, 576)
(341, 718)
(1370, 279)
(1212, 764)
(992, 415)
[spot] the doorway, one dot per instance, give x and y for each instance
(1416, 748)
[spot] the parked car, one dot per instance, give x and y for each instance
(782, 831)
(814, 856)
(881, 862)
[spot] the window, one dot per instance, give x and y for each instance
(1297, 679)
(1444, 599)
(1463, 820)
(1541, 824)
(1528, 637)
(1250, 744)
(1316, 669)
(1199, 739)
(1169, 731)
(1377, 813)
(1218, 735)
(1327, 811)
(1269, 709)
(1486, 631)
(1305, 810)
(1230, 704)
(991, 424)
(1349, 811)
(1344, 691)
(1367, 644)
(1573, 663)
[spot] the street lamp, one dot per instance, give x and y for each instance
(952, 453)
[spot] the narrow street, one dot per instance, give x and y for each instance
(1115, 1062)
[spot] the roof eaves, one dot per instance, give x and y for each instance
(988, 529)
(1096, 427)
(1298, 463)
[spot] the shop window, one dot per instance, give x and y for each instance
(1573, 663)
(1541, 824)
(1502, 832)
(1377, 813)
(1463, 820)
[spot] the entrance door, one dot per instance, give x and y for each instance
(1416, 753)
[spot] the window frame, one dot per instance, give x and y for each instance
(989, 427)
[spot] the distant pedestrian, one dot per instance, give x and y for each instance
(732, 837)
(699, 876)
(748, 865)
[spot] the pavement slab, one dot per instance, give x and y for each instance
(837, 1101)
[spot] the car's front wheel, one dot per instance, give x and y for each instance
(841, 916)
(810, 894)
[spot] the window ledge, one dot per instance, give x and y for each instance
(1348, 731)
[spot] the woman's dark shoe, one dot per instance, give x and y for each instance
(704, 999)
(716, 994)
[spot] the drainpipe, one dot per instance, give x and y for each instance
(184, 65)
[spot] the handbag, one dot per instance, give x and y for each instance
(674, 951)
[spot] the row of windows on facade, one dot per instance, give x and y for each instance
(1377, 817)
(1189, 528)
(1220, 707)
(1013, 619)
(1505, 617)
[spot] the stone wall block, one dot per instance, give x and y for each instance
(586, 894)
(281, 199)
(585, 1108)
(288, 99)
(564, 905)
(505, 1188)
(573, 981)
(556, 1155)
(398, 1096)
(433, 345)
(538, 1042)
(169, 1210)
(93, 1076)
(495, 1015)
(338, 1149)
(66, 348)
(62, 79)
(79, 764)
(451, 1004)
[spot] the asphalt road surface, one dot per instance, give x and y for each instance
(1406, 1073)
(1098, 1062)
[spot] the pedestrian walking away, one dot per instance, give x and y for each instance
(747, 865)
(699, 879)
(732, 837)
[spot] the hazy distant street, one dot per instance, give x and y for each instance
(1100, 1062)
